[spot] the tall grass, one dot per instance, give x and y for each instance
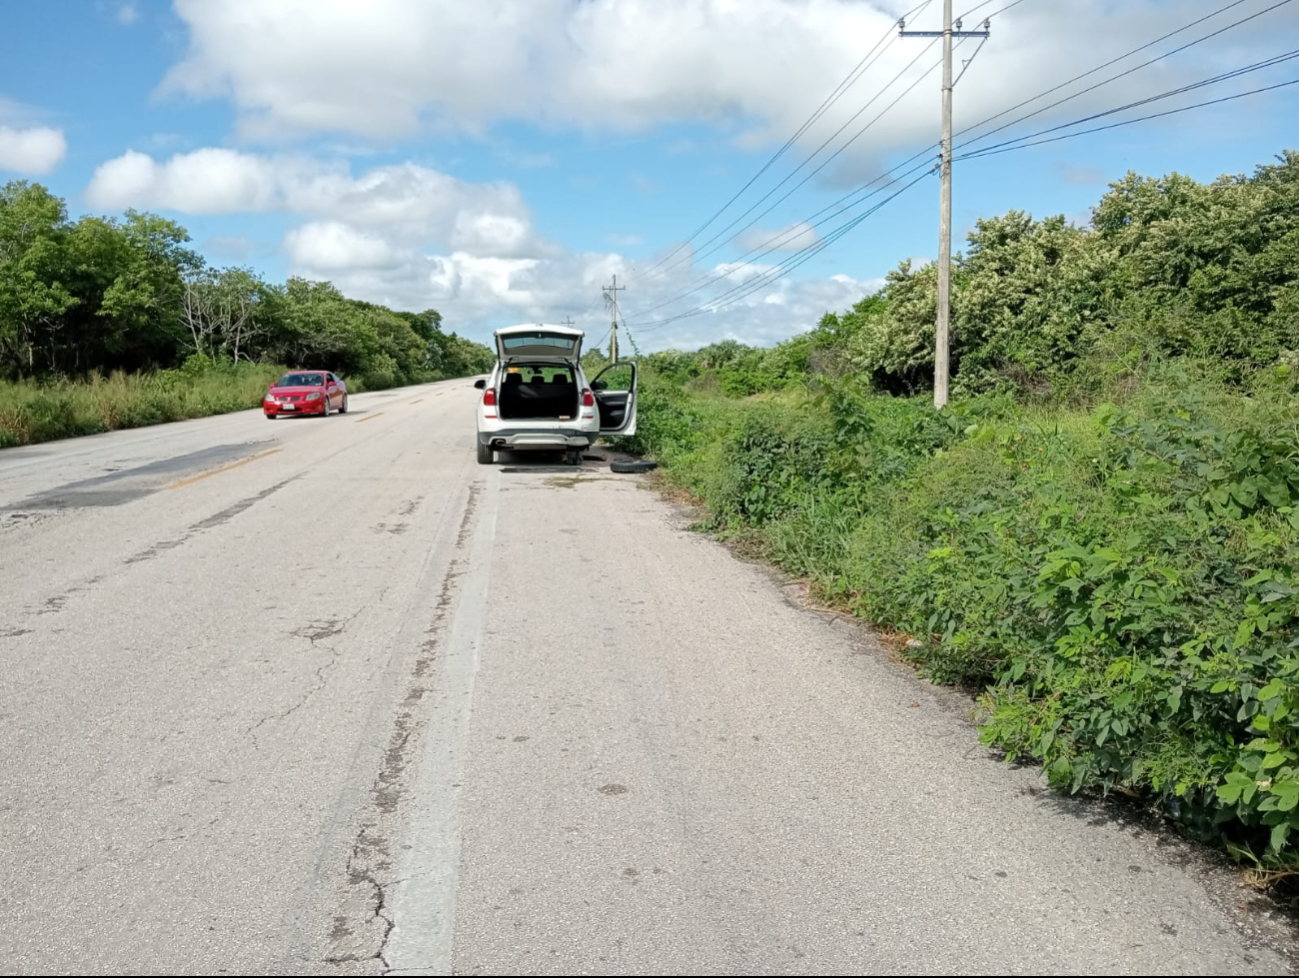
(32, 411)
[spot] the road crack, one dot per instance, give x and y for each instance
(317, 633)
(364, 927)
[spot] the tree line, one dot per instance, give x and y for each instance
(102, 294)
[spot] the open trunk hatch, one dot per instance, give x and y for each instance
(539, 343)
(538, 392)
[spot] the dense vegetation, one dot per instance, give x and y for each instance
(1100, 534)
(97, 316)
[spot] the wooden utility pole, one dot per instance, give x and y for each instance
(942, 348)
(611, 291)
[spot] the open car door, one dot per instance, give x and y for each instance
(615, 398)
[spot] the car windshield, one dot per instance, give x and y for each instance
(301, 380)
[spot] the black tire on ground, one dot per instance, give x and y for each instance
(485, 454)
(633, 467)
(328, 410)
(343, 409)
(270, 417)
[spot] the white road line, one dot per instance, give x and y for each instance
(422, 905)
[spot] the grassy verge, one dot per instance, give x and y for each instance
(32, 412)
(1121, 581)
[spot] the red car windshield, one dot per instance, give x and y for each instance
(301, 380)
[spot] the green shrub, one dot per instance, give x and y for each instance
(1123, 582)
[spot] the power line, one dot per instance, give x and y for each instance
(829, 102)
(767, 196)
(756, 254)
(1029, 101)
(1144, 118)
(774, 243)
(774, 274)
(1194, 86)
(769, 277)
(1101, 67)
(800, 257)
(1129, 71)
(782, 237)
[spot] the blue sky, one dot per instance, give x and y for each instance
(499, 160)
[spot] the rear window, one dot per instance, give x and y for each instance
(520, 342)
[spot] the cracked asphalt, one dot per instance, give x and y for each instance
(327, 697)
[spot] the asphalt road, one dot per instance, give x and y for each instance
(327, 697)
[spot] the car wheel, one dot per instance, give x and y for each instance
(633, 467)
(270, 417)
(343, 409)
(326, 411)
(485, 454)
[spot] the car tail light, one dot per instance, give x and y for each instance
(588, 399)
(489, 397)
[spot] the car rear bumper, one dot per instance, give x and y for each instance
(520, 439)
(302, 407)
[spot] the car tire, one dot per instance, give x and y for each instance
(633, 467)
(271, 417)
(343, 409)
(326, 411)
(485, 454)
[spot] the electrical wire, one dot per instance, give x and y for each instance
(1026, 102)
(829, 102)
(1144, 118)
(726, 231)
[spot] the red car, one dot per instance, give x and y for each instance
(305, 392)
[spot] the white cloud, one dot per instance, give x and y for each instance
(331, 247)
(412, 237)
(390, 68)
(207, 181)
(128, 13)
(408, 203)
(796, 237)
(35, 151)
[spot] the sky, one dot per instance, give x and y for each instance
(502, 160)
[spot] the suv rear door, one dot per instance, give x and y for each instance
(539, 343)
(615, 397)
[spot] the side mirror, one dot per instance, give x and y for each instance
(480, 384)
(599, 385)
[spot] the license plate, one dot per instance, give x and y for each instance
(288, 407)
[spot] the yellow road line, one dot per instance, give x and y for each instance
(370, 417)
(224, 468)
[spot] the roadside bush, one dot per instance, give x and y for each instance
(1123, 582)
(32, 411)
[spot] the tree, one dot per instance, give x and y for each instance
(33, 266)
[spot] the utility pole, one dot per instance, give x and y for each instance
(611, 291)
(568, 321)
(942, 359)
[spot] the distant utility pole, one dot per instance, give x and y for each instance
(612, 291)
(942, 360)
(568, 321)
